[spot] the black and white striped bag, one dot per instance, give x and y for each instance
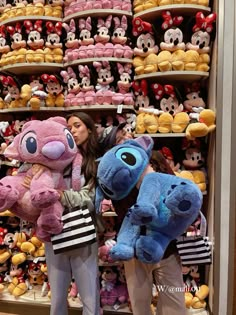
(195, 250)
(78, 230)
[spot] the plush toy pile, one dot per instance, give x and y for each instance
(166, 205)
(48, 143)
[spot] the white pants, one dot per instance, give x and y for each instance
(168, 277)
(82, 264)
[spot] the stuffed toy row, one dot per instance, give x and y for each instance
(166, 204)
(29, 41)
(107, 37)
(141, 5)
(102, 84)
(49, 143)
(12, 9)
(73, 6)
(171, 52)
(171, 113)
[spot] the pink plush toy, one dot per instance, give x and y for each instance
(124, 95)
(48, 143)
(72, 43)
(86, 42)
(108, 292)
(73, 87)
(103, 48)
(104, 92)
(119, 38)
(86, 87)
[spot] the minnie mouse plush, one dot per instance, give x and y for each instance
(102, 47)
(71, 42)
(73, 87)
(18, 44)
(54, 87)
(119, 38)
(201, 39)
(86, 86)
(4, 45)
(104, 89)
(145, 60)
(53, 51)
(173, 118)
(35, 41)
(86, 42)
(173, 43)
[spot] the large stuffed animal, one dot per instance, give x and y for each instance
(166, 204)
(51, 144)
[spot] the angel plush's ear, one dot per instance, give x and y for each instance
(99, 196)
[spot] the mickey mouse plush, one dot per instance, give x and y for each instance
(166, 205)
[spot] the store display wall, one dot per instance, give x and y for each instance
(61, 60)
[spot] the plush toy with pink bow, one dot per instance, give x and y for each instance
(104, 89)
(53, 51)
(124, 94)
(51, 144)
(73, 87)
(199, 46)
(87, 94)
(71, 42)
(86, 41)
(119, 38)
(103, 48)
(35, 42)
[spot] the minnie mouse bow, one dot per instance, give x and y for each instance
(204, 23)
(46, 78)
(170, 21)
(139, 27)
(160, 90)
(51, 28)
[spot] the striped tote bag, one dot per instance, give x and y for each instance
(78, 230)
(195, 250)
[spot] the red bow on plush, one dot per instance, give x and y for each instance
(139, 27)
(51, 28)
(140, 87)
(204, 23)
(169, 21)
(2, 31)
(167, 153)
(46, 78)
(160, 90)
(29, 26)
(13, 30)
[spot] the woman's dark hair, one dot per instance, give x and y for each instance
(89, 165)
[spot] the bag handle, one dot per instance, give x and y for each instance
(203, 225)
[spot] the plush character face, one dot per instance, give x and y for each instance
(121, 167)
(47, 142)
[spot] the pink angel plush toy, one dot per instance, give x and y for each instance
(51, 144)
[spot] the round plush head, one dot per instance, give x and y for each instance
(120, 168)
(46, 142)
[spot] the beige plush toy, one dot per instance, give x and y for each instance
(205, 125)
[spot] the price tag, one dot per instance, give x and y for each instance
(119, 109)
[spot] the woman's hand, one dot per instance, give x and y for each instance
(36, 170)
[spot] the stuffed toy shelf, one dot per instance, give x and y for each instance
(91, 60)
(96, 13)
(30, 17)
(162, 135)
(185, 9)
(186, 76)
(66, 109)
(29, 68)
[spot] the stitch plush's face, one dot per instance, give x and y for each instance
(47, 142)
(120, 168)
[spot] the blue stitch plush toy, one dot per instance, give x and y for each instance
(166, 204)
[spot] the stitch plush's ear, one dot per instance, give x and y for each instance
(146, 142)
